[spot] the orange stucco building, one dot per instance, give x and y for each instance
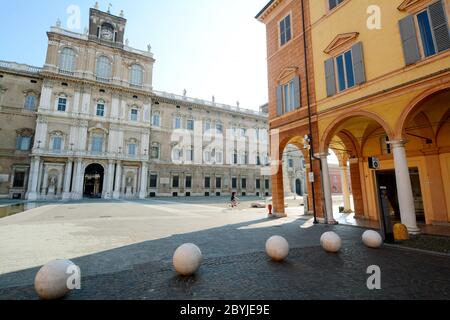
(379, 88)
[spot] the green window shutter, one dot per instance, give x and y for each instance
(330, 77)
(358, 63)
(279, 100)
(297, 95)
(440, 25)
(409, 40)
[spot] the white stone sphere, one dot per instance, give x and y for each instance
(187, 259)
(372, 239)
(277, 248)
(50, 282)
(331, 242)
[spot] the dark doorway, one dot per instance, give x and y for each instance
(93, 181)
(387, 179)
(298, 187)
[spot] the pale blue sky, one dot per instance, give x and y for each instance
(208, 47)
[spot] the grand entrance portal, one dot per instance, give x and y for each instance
(93, 181)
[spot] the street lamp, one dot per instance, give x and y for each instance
(307, 142)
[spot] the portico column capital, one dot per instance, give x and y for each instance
(324, 155)
(397, 143)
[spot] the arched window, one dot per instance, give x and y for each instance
(67, 61)
(30, 102)
(103, 69)
(136, 75)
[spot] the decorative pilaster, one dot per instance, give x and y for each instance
(116, 194)
(143, 179)
(34, 172)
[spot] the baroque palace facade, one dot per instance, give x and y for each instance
(379, 75)
(89, 124)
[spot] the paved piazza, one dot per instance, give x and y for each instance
(124, 250)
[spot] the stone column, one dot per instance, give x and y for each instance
(67, 179)
(345, 189)
(79, 176)
(404, 188)
(34, 173)
(45, 182)
(144, 176)
(327, 189)
(116, 194)
(110, 180)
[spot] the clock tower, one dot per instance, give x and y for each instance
(106, 28)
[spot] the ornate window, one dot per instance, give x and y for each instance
(24, 142)
(219, 128)
(67, 61)
(156, 119)
(155, 151)
(134, 114)
(62, 104)
(136, 75)
(100, 112)
(97, 143)
(30, 102)
(207, 126)
(56, 141)
(190, 124)
(177, 122)
(104, 69)
(24, 139)
(132, 147)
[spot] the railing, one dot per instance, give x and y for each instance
(66, 72)
(69, 33)
(89, 154)
(137, 51)
(19, 67)
(100, 79)
(209, 103)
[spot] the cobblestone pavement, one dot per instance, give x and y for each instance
(235, 266)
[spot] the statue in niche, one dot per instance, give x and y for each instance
(52, 185)
(129, 181)
(52, 181)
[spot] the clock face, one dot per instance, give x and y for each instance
(107, 34)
